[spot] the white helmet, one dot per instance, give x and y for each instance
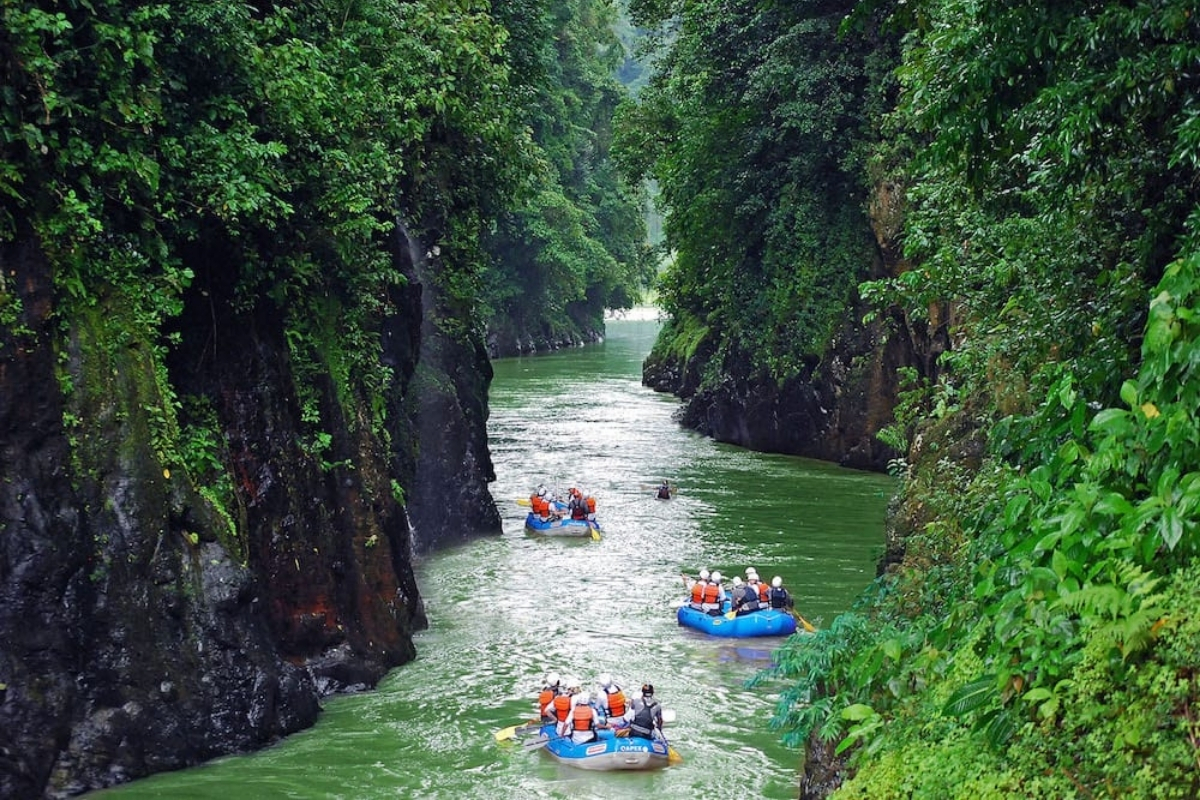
(703, 574)
(572, 683)
(584, 697)
(716, 576)
(552, 679)
(751, 572)
(737, 581)
(605, 680)
(777, 581)
(541, 491)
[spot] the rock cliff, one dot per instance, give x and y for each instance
(840, 399)
(147, 624)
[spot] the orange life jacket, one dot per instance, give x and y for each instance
(562, 707)
(712, 593)
(616, 703)
(698, 592)
(541, 506)
(584, 719)
(591, 505)
(546, 697)
(764, 592)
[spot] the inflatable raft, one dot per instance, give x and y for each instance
(768, 622)
(562, 527)
(607, 752)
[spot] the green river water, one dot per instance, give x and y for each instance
(504, 611)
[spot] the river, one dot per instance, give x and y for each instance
(504, 611)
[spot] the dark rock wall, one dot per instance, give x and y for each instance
(142, 627)
(833, 410)
(509, 336)
(830, 413)
(448, 499)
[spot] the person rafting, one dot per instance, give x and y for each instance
(664, 491)
(764, 590)
(610, 699)
(713, 603)
(695, 587)
(744, 597)
(551, 690)
(539, 503)
(647, 715)
(564, 705)
(584, 722)
(780, 597)
(577, 506)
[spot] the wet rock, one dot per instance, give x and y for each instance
(143, 627)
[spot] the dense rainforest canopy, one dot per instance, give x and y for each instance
(1037, 635)
(295, 140)
(249, 258)
(576, 245)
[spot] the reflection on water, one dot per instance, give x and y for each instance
(503, 612)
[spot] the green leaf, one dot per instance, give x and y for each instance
(1061, 564)
(1014, 508)
(971, 696)
(1129, 393)
(1037, 695)
(1111, 421)
(857, 712)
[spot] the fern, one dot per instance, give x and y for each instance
(1123, 613)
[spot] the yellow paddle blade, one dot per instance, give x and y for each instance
(512, 730)
(808, 626)
(731, 615)
(524, 501)
(673, 756)
(595, 535)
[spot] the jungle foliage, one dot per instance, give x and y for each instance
(754, 125)
(283, 146)
(1039, 638)
(576, 243)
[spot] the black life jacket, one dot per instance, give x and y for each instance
(643, 719)
(779, 597)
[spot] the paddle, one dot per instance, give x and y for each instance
(514, 730)
(595, 531)
(539, 743)
(524, 501)
(673, 756)
(808, 626)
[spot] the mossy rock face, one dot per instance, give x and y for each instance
(507, 338)
(145, 615)
(831, 410)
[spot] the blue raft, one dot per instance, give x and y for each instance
(562, 527)
(608, 752)
(768, 622)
